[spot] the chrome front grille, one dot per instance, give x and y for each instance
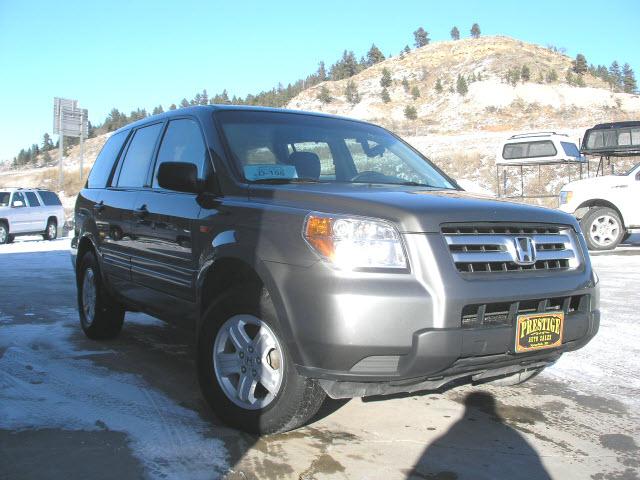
(499, 247)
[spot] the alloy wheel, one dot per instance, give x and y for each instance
(247, 360)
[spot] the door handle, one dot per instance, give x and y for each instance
(141, 212)
(98, 207)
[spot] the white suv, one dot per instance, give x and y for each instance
(606, 206)
(29, 211)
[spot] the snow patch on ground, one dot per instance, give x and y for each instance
(40, 366)
(34, 243)
(608, 365)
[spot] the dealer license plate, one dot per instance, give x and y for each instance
(537, 331)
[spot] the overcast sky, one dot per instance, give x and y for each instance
(129, 54)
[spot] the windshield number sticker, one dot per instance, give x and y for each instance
(257, 172)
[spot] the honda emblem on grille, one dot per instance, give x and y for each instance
(525, 251)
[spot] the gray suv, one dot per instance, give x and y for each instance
(26, 211)
(313, 255)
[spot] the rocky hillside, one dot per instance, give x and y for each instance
(491, 103)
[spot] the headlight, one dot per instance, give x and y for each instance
(353, 242)
(565, 197)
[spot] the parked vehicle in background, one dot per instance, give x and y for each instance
(537, 147)
(608, 207)
(25, 211)
(314, 255)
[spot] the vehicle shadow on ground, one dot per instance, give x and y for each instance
(480, 446)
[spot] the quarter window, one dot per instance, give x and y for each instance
(136, 162)
(49, 198)
(103, 166)
(182, 142)
(33, 200)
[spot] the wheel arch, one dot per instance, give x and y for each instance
(219, 276)
(600, 202)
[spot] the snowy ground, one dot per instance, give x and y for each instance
(130, 408)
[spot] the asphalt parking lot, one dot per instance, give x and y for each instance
(130, 408)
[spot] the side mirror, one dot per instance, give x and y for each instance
(17, 204)
(180, 177)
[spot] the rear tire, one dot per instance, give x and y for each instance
(602, 228)
(100, 316)
(285, 400)
(51, 233)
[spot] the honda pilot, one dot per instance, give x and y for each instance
(318, 256)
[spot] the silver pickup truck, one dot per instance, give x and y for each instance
(28, 212)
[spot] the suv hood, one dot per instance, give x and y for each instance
(600, 183)
(412, 209)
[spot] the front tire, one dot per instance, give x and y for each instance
(4, 233)
(603, 228)
(100, 316)
(245, 370)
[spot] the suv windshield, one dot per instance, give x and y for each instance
(4, 199)
(270, 147)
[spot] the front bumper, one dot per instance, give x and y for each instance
(364, 332)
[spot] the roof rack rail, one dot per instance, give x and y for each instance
(536, 134)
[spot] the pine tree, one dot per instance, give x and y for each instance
(374, 55)
(455, 33)
(386, 80)
(184, 103)
(525, 74)
(47, 144)
(438, 86)
(204, 97)
(415, 92)
(157, 110)
(351, 93)
(346, 67)
(322, 73)
(629, 84)
(406, 49)
(384, 95)
(475, 30)
(410, 112)
(461, 86)
(421, 37)
(324, 96)
(615, 74)
(580, 64)
(405, 84)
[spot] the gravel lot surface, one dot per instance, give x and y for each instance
(130, 407)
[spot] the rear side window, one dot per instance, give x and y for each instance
(543, 148)
(49, 198)
(138, 157)
(33, 199)
(182, 142)
(103, 165)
